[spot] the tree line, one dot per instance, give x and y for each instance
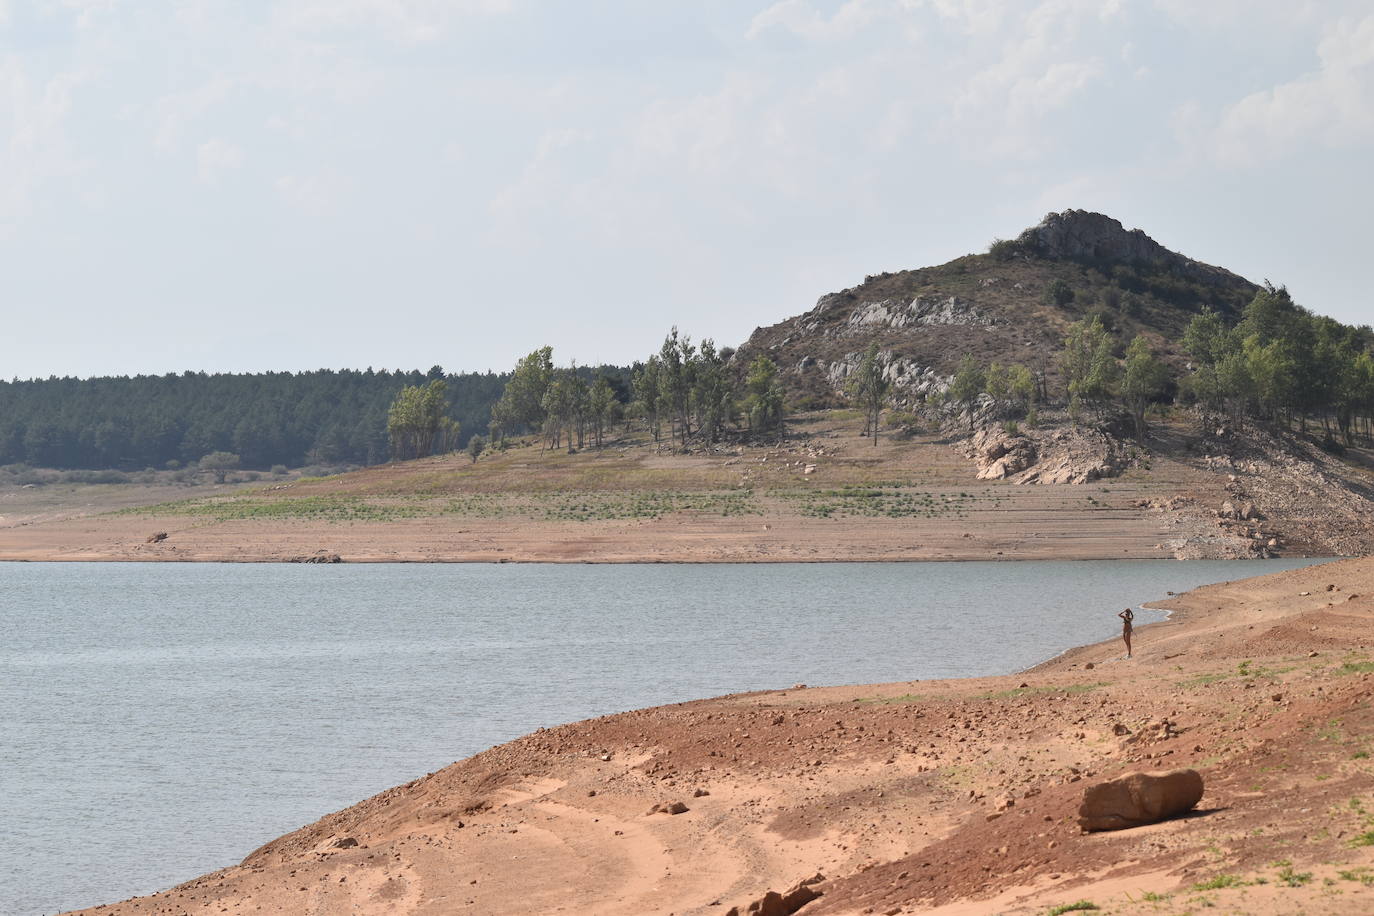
(1277, 363)
(328, 417)
(686, 391)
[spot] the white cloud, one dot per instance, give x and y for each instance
(404, 21)
(319, 192)
(174, 112)
(216, 156)
(33, 119)
(804, 20)
(1333, 105)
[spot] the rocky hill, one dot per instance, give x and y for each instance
(1000, 306)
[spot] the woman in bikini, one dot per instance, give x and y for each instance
(1126, 617)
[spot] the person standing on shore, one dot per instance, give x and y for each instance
(1126, 617)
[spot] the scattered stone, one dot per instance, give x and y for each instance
(1137, 799)
(156, 538)
(347, 842)
(675, 807)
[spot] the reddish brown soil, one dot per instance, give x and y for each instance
(950, 796)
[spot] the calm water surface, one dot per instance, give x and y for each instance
(158, 721)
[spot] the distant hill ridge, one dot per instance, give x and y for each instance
(1008, 305)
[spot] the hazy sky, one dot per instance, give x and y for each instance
(241, 185)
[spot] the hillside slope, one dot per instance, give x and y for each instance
(996, 307)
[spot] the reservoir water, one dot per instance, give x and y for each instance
(161, 720)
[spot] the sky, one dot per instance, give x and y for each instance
(243, 185)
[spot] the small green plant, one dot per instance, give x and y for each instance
(1011, 428)
(1364, 839)
(1072, 907)
(1219, 882)
(1355, 668)
(1152, 897)
(1294, 878)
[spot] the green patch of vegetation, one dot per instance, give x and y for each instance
(1034, 691)
(1072, 907)
(878, 500)
(904, 698)
(1364, 839)
(1294, 878)
(1355, 668)
(315, 508)
(1220, 882)
(1152, 897)
(553, 506)
(1361, 875)
(1243, 671)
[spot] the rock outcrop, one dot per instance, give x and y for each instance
(1069, 455)
(1137, 799)
(775, 903)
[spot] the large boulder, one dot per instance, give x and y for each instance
(1137, 799)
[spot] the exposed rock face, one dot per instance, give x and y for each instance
(891, 313)
(775, 903)
(1058, 456)
(905, 375)
(1137, 799)
(1000, 455)
(1081, 235)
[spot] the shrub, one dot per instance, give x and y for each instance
(278, 470)
(1058, 293)
(1011, 428)
(1003, 250)
(901, 419)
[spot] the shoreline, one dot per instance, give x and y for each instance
(376, 561)
(942, 796)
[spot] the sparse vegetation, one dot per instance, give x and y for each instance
(1081, 905)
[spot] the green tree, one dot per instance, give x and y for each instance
(763, 396)
(418, 424)
(713, 393)
(1143, 379)
(648, 385)
(220, 464)
(522, 401)
(677, 357)
(1021, 388)
(558, 410)
(600, 402)
(969, 382)
(868, 387)
(475, 446)
(1087, 362)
